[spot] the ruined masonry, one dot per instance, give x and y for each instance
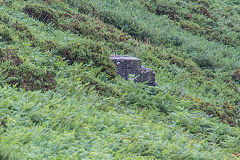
(131, 65)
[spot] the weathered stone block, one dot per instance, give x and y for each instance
(146, 75)
(125, 72)
(127, 65)
(126, 62)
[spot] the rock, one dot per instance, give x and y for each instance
(126, 62)
(146, 75)
(125, 72)
(127, 65)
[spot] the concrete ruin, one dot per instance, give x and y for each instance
(127, 65)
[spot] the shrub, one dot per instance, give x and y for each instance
(42, 13)
(5, 34)
(25, 75)
(89, 53)
(22, 31)
(93, 28)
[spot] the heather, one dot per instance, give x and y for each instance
(61, 98)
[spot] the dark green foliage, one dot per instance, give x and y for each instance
(101, 87)
(160, 30)
(10, 57)
(200, 17)
(5, 35)
(88, 112)
(45, 45)
(41, 13)
(127, 24)
(22, 31)
(4, 157)
(25, 75)
(10, 29)
(88, 52)
(143, 96)
(86, 8)
(94, 28)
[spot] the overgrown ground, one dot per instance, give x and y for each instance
(60, 96)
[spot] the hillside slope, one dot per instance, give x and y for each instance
(60, 96)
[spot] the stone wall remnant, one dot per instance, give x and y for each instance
(127, 65)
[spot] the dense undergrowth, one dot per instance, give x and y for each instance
(60, 96)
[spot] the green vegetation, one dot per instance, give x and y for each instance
(60, 96)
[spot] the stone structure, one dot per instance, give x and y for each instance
(131, 65)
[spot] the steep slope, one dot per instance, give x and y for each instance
(60, 96)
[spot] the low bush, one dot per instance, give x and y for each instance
(41, 13)
(5, 34)
(24, 74)
(87, 112)
(89, 53)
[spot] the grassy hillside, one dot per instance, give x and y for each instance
(60, 96)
